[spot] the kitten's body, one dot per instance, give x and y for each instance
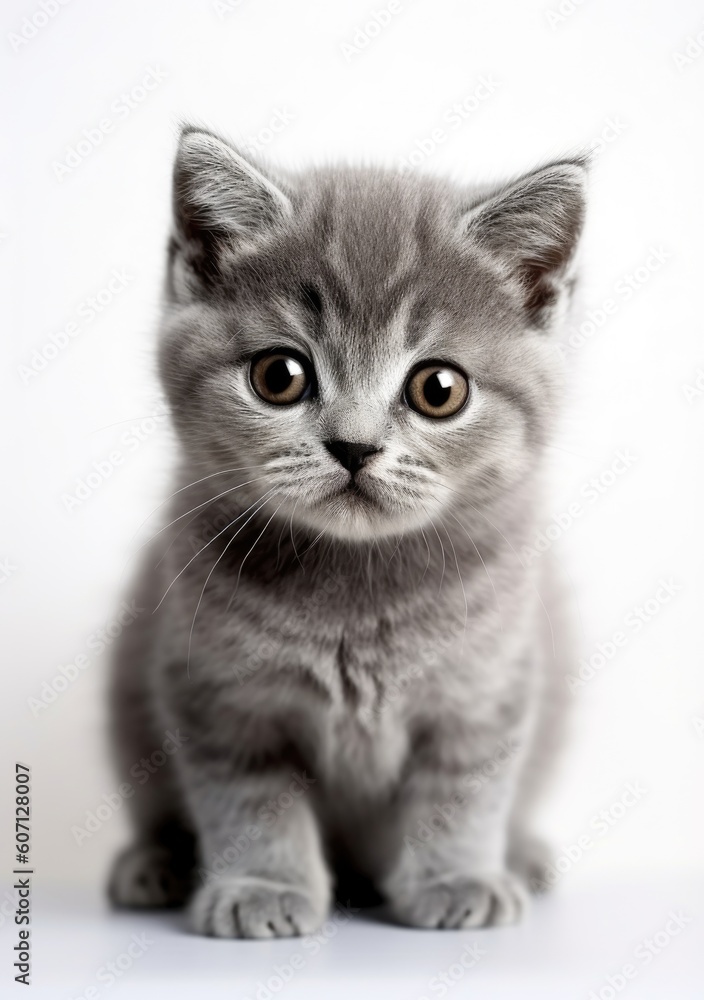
(368, 679)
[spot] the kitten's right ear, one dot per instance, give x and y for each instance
(530, 230)
(220, 199)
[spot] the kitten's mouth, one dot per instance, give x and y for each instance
(352, 493)
(355, 489)
(357, 510)
(360, 494)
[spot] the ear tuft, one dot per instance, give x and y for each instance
(220, 196)
(531, 228)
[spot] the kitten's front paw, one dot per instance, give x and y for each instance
(529, 858)
(249, 907)
(459, 902)
(148, 875)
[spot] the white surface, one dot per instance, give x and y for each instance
(641, 717)
(570, 945)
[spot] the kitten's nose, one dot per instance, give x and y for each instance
(351, 454)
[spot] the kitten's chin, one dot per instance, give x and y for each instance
(357, 516)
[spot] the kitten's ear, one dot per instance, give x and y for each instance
(530, 229)
(220, 197)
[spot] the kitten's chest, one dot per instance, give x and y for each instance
(348, 674)
(375, 658)
(376, 670)
(368, 659)
(365, 733)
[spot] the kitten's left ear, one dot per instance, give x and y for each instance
(530, 230)
(221, 199)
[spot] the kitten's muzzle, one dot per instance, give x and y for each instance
(352, 455)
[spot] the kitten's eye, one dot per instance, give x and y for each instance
(437, 390)
(280, 378)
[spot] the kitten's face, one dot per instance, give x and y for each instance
(353, 347)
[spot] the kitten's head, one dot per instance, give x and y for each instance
(370, 349)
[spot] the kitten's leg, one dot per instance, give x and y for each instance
(528, 855)
(261, 858)
(156, 869)
(451, 833)
(154, 872)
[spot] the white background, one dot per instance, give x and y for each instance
(601, 70)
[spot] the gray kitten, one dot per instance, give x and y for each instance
(354, 670)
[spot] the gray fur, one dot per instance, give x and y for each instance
(378, 672)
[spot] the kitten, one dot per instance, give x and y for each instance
(354, 669)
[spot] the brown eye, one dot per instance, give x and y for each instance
(436, 390)
(280, 378)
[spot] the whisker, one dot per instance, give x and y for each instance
(211, 542)
(293, 540)
(398, 543)
(237, 584)
(317, 537)
(326, 554)
(370, 575)
(567, 451)
(459, 577)
(200, 599)
(427, 562)
(278, 547)
(128, 420)
(176, 538)
(496, 596)
(223, 472)
(524, 567)
(442, 547)
(232, 489)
